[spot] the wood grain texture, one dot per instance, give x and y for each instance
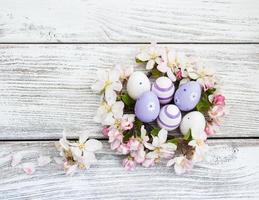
(129, 21)
(230, 172)
(45, 88)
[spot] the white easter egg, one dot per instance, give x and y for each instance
(194, 121)
(163, 87)
(138, 83)
(169, 117)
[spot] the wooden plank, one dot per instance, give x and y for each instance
(45, 88)
(129, 21)
(230, 172)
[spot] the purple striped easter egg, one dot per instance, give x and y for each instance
(169, 117)
(163, 87)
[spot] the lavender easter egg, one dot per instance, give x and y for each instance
(147, 107)
(138, 83)
(195, 121)
(169, 117)
(163, 87)
(187, 96)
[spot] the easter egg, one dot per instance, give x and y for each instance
(138, 83)
(169, 117)
(147, 107)
(187, 96)
(163, 87)
(194, 121)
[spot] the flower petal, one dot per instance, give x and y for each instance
(143, 56)
(150, 64)
(93, 145)
(162, 135)
(117, 109)
(28, 168)
(110, 95)
(83, 137)
(170, 162)
(171, 75)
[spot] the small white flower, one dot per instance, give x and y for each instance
(125, 71)
(200, 146)
(150, 55)
(108, 113)
(159, 148)
(181, 164)
(108, 82)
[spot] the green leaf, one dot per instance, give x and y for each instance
(128, 101)
(174, 141)
(204, 104)
(155, 131)
(188, 135)
(155, 73)
(127, 136)
(138, 61)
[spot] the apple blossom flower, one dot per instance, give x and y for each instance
(210, 129)
(216, 113)
(115, 138)
(124, 71)
(123, 149)
(159, 148)
(129, 164)
(148, 162)
(150, 55)
(127, 122)
(171, 63)
(204, 77)
(107, 113)
(200, 146)
(105, 131)
(108, 83)
(78, 154)
(181, 164)
(219, 100)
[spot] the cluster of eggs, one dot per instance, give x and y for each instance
(161, 102)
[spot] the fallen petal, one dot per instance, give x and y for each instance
(28, 168)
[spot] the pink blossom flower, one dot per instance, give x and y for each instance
(209, 129)
(129, 163)
(126, 125)
(216, 113)
(181, 164)
(115, 138)
(123, 149)
(148, 162)
(219, 99)
(105, 131)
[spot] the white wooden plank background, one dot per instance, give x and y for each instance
(228, 173)
(44, 88)
(129, 21)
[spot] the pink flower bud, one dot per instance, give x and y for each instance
(179, 74)
(209, 130)
(105, 131)
(219, 100)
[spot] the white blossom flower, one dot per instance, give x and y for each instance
(78, 154)
(108, 83)
(170, 62)
(125, 71)
(199, 144)
(159, 148)
(150, 55)
(181, 164)
(108, 113)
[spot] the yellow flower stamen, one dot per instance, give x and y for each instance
(81, 146)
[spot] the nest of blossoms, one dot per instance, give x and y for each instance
(141, 111)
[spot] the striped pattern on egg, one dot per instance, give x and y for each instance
(169, 117)
(164, 88)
